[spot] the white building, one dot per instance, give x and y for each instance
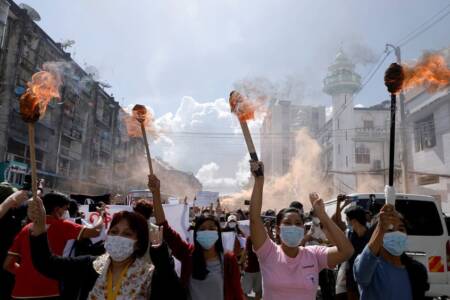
(428, 118)
(282, 121)
(356, 139)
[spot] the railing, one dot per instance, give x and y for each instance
(376, 133)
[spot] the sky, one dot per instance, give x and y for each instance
(182, 58)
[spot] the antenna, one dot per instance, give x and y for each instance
(32, 13)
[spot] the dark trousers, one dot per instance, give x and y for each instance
(327, 283)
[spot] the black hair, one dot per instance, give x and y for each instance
(199, 270)
(357, 213)
(285, 211)
(402, 218)
(73, 208)
(297, 205)
(54, 200)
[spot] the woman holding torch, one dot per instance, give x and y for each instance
(120, 274)
(290, 271)
(206, 271)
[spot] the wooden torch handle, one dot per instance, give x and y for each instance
(250, 145)
(147, 149)
(31, 140)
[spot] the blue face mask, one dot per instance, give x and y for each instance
(349, 227)
(291, 235)
(395, 242)
(207, 238)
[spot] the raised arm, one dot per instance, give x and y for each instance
(257, 231)
(154, 187)
(176, 243)
(337, 216)
(343, 249)
(52, 266)
(14, 200)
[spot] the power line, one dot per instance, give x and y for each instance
(421, 29)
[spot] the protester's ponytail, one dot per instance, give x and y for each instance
(199, 270)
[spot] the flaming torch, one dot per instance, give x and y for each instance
(33, 103)
(431, 72)
(141, 115)
(245, 110)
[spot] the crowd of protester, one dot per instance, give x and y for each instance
(49, 251)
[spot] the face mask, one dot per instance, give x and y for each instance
(316, 221)
(206, 214)
(118, 247)
(66, 215)
(395, 242)
(207, 238)
(349, 227)
(198, 215)
(232, 225)
(291, 235)
(152, 220)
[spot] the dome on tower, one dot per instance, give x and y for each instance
(341, 77)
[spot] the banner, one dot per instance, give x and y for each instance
(205, 198)
(177, 216)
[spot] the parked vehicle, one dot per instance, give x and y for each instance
(428, 233)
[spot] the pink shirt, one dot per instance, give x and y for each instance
(291, 278)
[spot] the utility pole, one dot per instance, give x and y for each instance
(404, 160)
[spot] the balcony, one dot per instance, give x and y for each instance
(376, 133)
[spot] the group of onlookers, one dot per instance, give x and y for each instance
(49, 252)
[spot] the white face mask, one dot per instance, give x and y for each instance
(152, 220)
(316, 221)
(119, 248)
(232, 225)
(66, 215)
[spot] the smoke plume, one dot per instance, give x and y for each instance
(304, 177)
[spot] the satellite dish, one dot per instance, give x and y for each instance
(32, 13)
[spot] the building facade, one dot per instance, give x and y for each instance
(81, 143)
(282, 121)
(428, 121)
(355, 141)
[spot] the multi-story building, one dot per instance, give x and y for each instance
(282, 121)
(428, 121)
(81, 143)
(355, 141)
(74, 138)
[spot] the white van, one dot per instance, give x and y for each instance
(428, 236)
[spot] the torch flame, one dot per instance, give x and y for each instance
(44, 86)
(139, 114)
(242, 106)
(431, 72)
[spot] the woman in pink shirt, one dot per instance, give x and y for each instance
(289, 271)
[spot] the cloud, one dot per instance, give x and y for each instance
(205, 138)
(212, 179)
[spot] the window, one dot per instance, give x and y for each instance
(368, 124)
(423, 217)
(424, 134)
(362, 154)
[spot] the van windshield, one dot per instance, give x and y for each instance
(422, 216)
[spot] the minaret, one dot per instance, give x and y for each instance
(341, 83)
